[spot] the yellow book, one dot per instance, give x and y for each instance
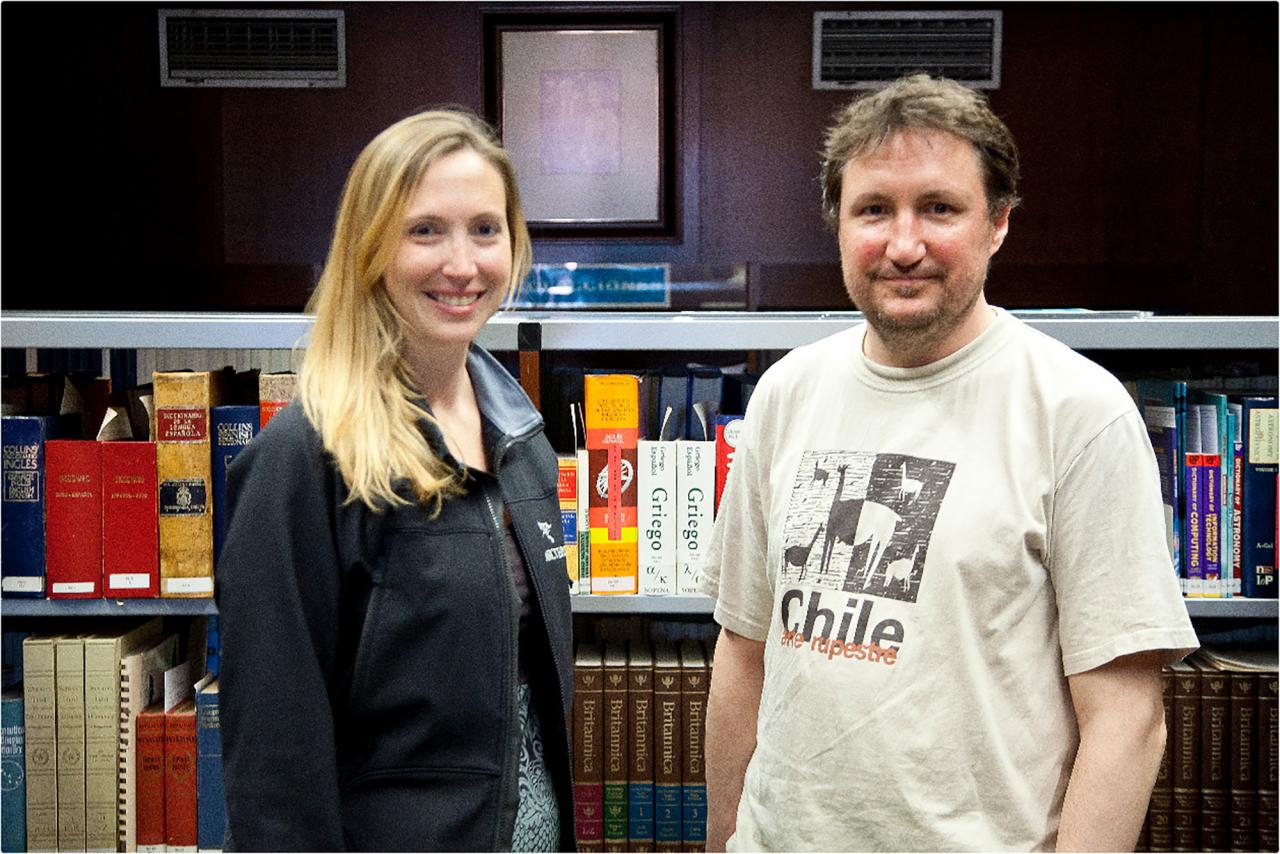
(40, 716)
(567, 488)
(69, 658)
(184, 480)
(612, 415)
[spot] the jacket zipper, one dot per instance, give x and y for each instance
(512, 673)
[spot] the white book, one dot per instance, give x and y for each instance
(656, 500)
(696, 485)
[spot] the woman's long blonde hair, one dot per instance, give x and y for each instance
(354, 383)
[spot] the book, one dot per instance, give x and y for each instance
(728, 429)
(1185, 738)
(211, 805)
(1160, 811)
(1211, 470)
(656, 502)
(141, 685)
(22, 562)
(130, 522)
(40, 716)
(1194, 525)
(184, 474)
(73, 519)
(1215, 712)
(588, 747)
(13, 786)
(706, 387)
(1163, 407)
(584, 523)
(567, 492)
(612, 431)
(667, 748)
(695, 486)
(275, 391)
(180, 794)
(1258, 525)
(615, 747)
(1268, 757)
(149, 741)
(102, 655)
(69, 674)
(640, 729)
(693, 779)
(233, 426)
(1243, 774)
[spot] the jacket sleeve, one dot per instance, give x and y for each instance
(279, 581)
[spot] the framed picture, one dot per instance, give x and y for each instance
(585, 104)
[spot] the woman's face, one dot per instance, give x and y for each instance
(453, 263)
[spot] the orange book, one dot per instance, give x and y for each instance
(149, 794)
(612, 415)
(180, 777)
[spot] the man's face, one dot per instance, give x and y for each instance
(916, 238)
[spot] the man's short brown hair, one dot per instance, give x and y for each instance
(921, 102)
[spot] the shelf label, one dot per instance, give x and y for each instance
(596, 286)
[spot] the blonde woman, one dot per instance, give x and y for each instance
(394, 604)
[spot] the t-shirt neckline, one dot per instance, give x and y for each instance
(944, 370)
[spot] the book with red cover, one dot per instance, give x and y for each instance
(180, 814)
(728, 429)
(588, 747)
(73, 519)
(130, 521)
(149, 797)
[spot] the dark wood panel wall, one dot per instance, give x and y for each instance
(1148, 135)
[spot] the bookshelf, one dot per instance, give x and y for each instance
(533, 332)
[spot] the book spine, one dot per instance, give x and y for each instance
(73, 519)
(13, 757)
(1237, 516)
(1269, 756)
(695, 484)
(1261, 451)
(1162, 428)
(693, 782)
(1215, 717)
(23, 559)
(150, 794)
(126, 778)
(1194, 530)
(728, 429)
(130, 524)
(668, 835)
(210, 797)
(612, 423)
(184, 472)
(40, 697)
(567, 492)
(588, 749)
(275, 392)
(640, 765)
(233, 427)
(1160, 812)
(1243, 770)
(615, 754)
(102, 738)
(180, 811)
(584, 522)
(1211, 470)
(71, 742)
(1186, 759)
(657, 509)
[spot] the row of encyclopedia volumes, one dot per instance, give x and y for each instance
(637, 513)
(1216, 787)
(1217, 456)
(639, 724)
(91, 518)
(109, 744)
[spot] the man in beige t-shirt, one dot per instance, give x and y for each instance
(940, 563)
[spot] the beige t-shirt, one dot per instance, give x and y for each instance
(927, 554)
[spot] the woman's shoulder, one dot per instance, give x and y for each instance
(287, 446)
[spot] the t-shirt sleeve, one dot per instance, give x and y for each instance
(736, 569)
(1116, 587)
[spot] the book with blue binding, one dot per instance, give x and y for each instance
(22, 553)
(233, 427)
(1258, 488)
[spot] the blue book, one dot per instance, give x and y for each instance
(232, 428)
(673, 395)
(1258, 496)
(706, 387)
(13, 776)
(213, 647)
(1163, 406)
(22, 547)
(211, 804)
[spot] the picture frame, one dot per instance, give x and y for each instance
(585, 104)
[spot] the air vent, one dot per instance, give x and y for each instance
(866, 50)
(252, 48)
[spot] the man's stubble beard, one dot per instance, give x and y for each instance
(922, 333)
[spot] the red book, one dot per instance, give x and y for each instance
(728, 428)
(73, 519)
(588, 747)
(180, 776)
(130, 526)
(149, 794)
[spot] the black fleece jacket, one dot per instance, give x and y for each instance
(368, 689)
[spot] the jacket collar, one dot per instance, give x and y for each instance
(502, 401)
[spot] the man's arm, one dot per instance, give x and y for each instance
(734, 702)
(1122, 734)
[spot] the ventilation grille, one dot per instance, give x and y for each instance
(865, 50)
(252, 48)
